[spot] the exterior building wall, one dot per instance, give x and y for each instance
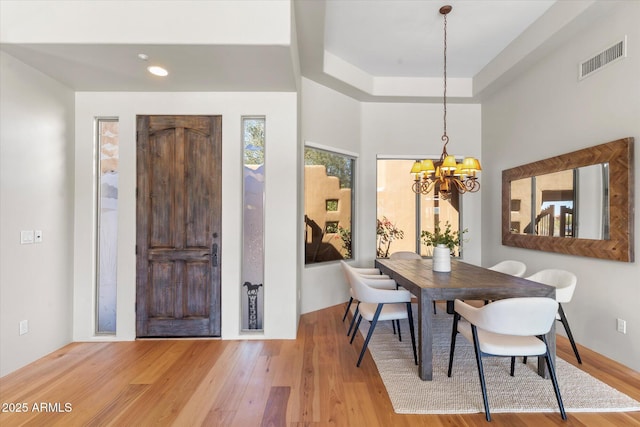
(318, 189)
(521, 190)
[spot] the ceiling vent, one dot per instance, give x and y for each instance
(608, 56)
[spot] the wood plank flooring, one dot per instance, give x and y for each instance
(310, 381)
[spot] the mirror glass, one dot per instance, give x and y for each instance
(578, 203)
(569, 203)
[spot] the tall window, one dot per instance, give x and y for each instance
(107, 223)
(402, 214)
(328, 204)
(253, 137)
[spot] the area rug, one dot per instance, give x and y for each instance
(526, 392)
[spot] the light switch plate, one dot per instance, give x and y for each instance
(26, 237)
(37, 236)
(24, 327)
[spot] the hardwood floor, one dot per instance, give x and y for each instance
(311, 381)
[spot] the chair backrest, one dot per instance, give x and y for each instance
(564, 282)
(345, 269)
(517, 316)
(365, 291)
(512, 267)
(404, 255)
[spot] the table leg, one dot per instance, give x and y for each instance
(425, 337)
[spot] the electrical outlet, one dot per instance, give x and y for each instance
(621, 326)
(37, 236)
(24, 327)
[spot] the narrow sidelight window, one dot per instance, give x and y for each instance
(107, 224)
(252, 278)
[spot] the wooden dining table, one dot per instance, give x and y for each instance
(466, 282)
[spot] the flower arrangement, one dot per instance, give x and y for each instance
(386, 232)
(447, 237)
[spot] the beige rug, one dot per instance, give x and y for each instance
(526, 392)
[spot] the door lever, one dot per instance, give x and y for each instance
(214, 255)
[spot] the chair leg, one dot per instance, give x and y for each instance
(565, 323)
(355, 330)
(412, 332)
(476, 346)
(454, 334)
(434, 307)
(393, 322)
(347, 310)
(353, 319)
(399, 332)
(371, 328)
(513, 365)
(554, 380)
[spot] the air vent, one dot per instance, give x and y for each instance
(608, 56)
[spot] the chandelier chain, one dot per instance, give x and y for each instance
(445, 138)
(445, 176)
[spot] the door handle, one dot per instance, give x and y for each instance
(214, 255)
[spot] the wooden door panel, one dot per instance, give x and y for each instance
(196, 301)
(178, 214)
(198, 197)
(161, 293)
(162, 151)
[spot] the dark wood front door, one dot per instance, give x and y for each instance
(178, 226)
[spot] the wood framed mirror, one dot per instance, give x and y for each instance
(579, 203)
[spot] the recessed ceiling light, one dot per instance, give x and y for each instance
(158, 71)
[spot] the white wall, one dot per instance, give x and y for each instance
(547, 112)
(280, 286)
(335, 120)
(36, 192)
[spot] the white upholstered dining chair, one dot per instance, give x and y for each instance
(405, 255)
(510, 327)
(369, 273)
(510, 266)
(377, 304)
(565, 284)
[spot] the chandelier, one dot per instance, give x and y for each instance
(446, 174)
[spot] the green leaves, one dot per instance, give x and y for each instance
(446, 237)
